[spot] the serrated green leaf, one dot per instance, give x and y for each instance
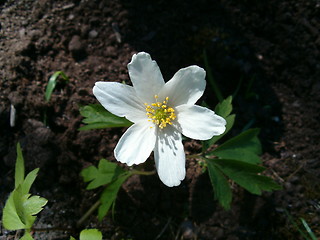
(245, 147)
(28, 181)
(220, 185)
(19, 211)
(19, 169)
(96, 116)
(104, 174)
(20, 208)
(90, 234)
(34, 204)
(27, 207)
(53, 82)
(109, 195)
(224, 108)
(245, 174)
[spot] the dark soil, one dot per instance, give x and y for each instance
(268, 50)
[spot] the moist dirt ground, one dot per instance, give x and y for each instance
(264, 52)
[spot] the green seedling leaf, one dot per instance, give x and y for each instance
(109, 195)
(245, 147)
(245, 174)
(20, 209)
(19, 171)
(53, 82)
(90, 234)
(10, 218)
(28, 181)
(96, 116)
(104, 174)
(220, 185)
(33, 205)
(26, 236)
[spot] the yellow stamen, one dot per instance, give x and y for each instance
(159, 112)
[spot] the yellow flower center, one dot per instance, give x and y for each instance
(160, 113)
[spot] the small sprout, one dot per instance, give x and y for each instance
(21, 207)
(53, 82)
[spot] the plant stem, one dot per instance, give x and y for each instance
(143, 172)
(88, 213)
(97, 204)
(52, 229)
(194, 156)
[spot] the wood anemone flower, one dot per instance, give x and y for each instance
(161, 112)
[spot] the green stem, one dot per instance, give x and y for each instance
(88, 213)
(97, 204)
(143, 172)
(194, 156)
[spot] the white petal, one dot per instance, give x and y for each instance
(146, 77)
(120, 99)
(199, 122)
(170, 157)
(136, 144)
(185, 87)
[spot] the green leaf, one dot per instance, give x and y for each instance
(224, 108)
(245, 147)
(26, 236)
(33, 205)
(245, 174)
(20, 208)
(238, 167)
(220, 185)
(96, 116)
(109, 195)
(19, 170)
(27, 207)
(28, 181)
(53, 82)
(10, 217)
(104, 174)
(90, 234)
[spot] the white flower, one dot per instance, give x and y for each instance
(160, 112)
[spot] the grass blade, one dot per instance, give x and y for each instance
(53, 82)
